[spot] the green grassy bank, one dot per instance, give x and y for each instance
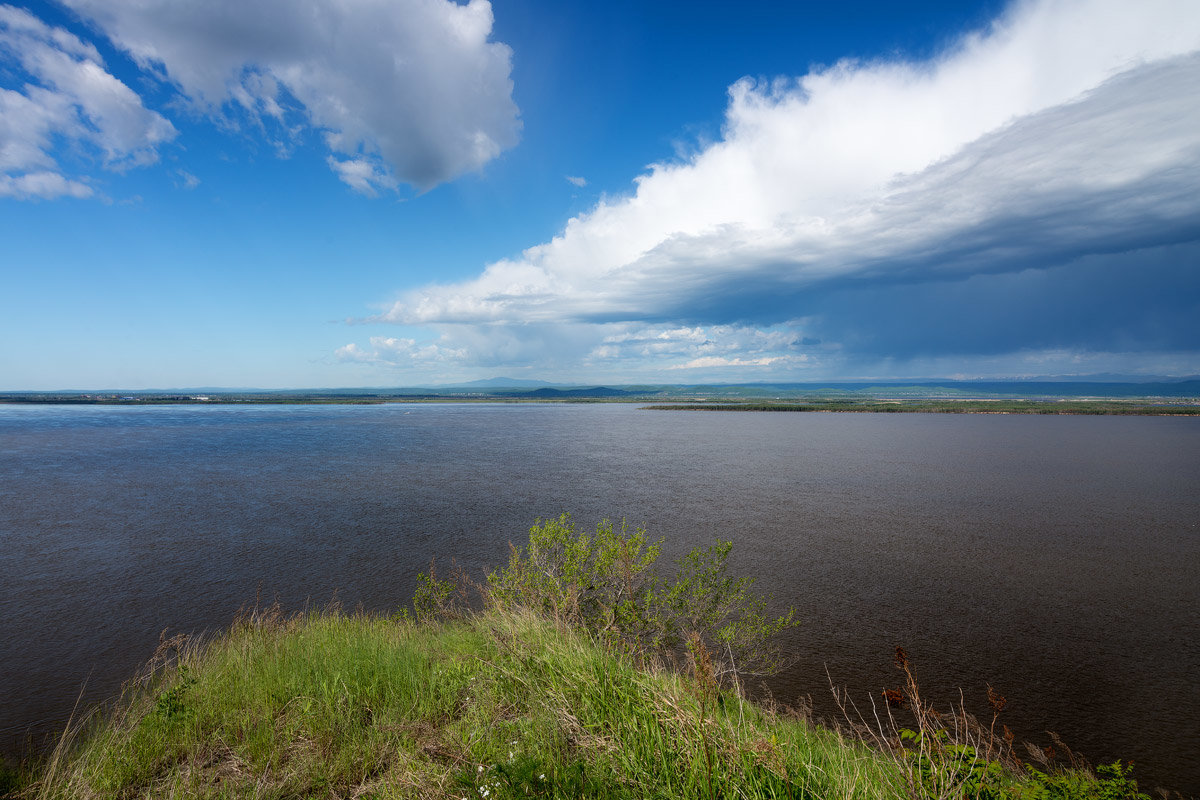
(500, 705)
(537, 694)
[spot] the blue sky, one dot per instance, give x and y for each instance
(303, 193)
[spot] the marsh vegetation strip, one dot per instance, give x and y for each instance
(1054, 557)
(1177, 408)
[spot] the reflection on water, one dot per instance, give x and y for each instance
(1053, 557)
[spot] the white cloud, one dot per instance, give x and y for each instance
(68, 94)
(1067, 127)
(635, 341)
(41, 185)
(186, 180)
(362, 175)
(584, 352)
(402, 90)
(575, 180)
(723, 352)
(706, 362)
(399, 352)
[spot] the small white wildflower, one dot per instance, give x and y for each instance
(542, 777)
(514, 741)
(481, 767)
(510, 755)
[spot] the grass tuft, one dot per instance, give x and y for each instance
(499, 704)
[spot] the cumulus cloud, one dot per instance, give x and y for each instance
(41, 185)
(362, 175)
(66, 93)
(1067, 128)
(627, 352)
(399, 352)
(705, 362)
(575, 180)
(691, 347)
(406, 91)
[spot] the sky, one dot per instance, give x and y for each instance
(354, 193)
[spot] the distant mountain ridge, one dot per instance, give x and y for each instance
(550, 393)
(501, 383)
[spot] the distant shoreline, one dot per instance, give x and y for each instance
(300, 401)
(1056, 407)
(1181, 407)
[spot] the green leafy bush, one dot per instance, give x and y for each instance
(433, 597)
(602, 583)
(1111, 782)
(607, 585)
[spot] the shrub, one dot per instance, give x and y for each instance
(1111, 782)
(606, 584)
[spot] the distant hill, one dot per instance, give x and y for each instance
(501, 383)
(548, 393)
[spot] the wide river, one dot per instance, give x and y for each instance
(1056, 558)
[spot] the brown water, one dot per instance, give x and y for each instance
(1053, 557)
